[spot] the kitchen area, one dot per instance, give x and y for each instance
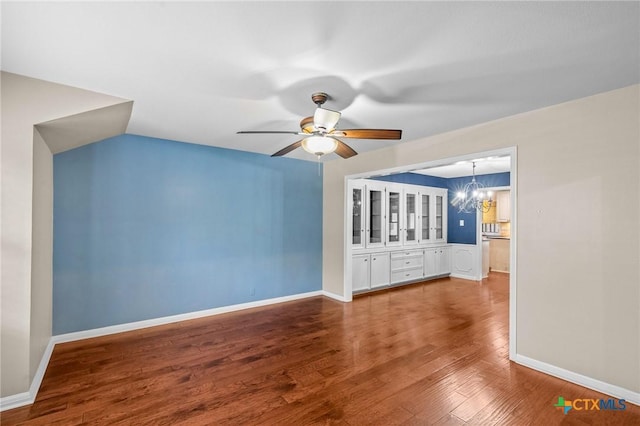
(496, 234)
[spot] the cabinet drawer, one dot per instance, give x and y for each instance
(407, 262)
(405, 253)
(406, 275)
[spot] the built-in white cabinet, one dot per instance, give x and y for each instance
(381, 269)
(360, 276)
(406, 265)
(439, 216)
(375, 211)
(392, 215)
(379, 273)
(394, 220)
(370, 271)
(444, 261)
(425, 226)
(357, 216)
(411, 217)
(437, 261)
(503, 199)
(398, 233)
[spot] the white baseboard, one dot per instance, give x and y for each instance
(26, 398)
(334, 296)
(464, 277)
(17, 400)
(579, 379)
(120, 328)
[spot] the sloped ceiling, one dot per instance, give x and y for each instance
(199, 72)
(76, 130)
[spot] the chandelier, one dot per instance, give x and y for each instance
(473, 196)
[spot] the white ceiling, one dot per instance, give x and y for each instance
(199, 72)
(484, 166)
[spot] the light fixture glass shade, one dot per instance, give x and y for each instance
(319, 145)
(325, 119)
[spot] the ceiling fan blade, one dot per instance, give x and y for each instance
(268, 132)
(369, 133)
(344, 150)
(287, 149)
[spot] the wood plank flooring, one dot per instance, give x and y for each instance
(430, 353)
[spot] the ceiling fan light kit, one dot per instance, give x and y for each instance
(319, 145)
(321, 134)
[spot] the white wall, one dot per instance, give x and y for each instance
(41, 252)
(24, 327)
(578, 210)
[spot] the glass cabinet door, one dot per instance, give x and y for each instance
(425, 216)
(439, 215)
(411, 219)
(374, 218)
(393, 218)
(357, 218)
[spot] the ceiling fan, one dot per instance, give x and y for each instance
(321, 135)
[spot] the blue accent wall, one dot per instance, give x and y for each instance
(467, 234)
(147, 228)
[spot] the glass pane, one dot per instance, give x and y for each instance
(438, 217)
(375, 217)
(394, 209)
(425, 216)
(411, 217)
(356, 216)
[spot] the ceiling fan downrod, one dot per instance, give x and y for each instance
(319, 98)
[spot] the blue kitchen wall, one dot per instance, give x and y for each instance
(467, 234)
(414, 179)
(147, 228)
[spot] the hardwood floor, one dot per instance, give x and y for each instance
(430, 353)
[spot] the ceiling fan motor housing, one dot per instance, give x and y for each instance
(306, 124)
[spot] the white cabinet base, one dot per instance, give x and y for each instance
(360, 272)
(372, 271)
(379, 270)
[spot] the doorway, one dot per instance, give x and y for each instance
(476, 248)
(493, 229)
